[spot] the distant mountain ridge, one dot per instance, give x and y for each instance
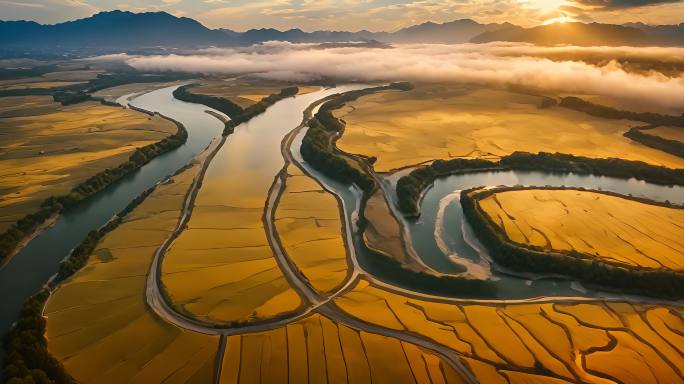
(591, 34)
(122, 30)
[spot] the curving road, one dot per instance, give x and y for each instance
(315, 302)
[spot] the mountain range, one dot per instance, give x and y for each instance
(120, 30)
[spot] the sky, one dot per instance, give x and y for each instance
(353, 15)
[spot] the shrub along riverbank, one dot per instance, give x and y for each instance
(28, 359)
(318, 146)
(641, 135)
(235, 112)
(411, 187)
(25, 226)
(586, 268)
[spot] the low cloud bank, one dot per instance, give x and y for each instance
(487, 64)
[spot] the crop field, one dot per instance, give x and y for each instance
(560, 342)
(317, 350)
(66, 77)
(37, 84)
(441, 122)
(47, 149)
(310, 229)
(670, 133)
(221, 268)
(616, 229)
(99, 325)
(244, 91)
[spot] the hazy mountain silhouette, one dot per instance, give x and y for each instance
(458, 31)
(115, 29)
(119, 30)
(665, 34)
(592, 34)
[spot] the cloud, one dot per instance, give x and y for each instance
(490, 64)
(617, 4)
(45, 11)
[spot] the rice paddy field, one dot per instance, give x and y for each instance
(244, 91)
(221, 268)
(318, 350)
(98, 324)
(310, 230)
(451, 121)
(614, 229)
(561, 342)
(47, 148)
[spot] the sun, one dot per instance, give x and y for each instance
(561, 19)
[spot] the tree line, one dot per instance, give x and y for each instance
(28, 360)
(54, 205)
(586, 268)
(318, 146)
(237, 114)
(410, 187)
(640, 135)
(577, 104)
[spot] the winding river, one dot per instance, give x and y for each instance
(33, 266)
(441, 237)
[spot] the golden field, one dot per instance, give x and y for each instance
(221, 268)
(318, 350)
(98, 324)
(244, 91)
(47, 149)
(37, 84)
(608, 227)
(539, 342)
(451, 121)
(51, 79)
(669, 133)
(310, 230)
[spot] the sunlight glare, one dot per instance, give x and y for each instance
(561, 19)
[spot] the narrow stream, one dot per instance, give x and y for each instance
(31, 268)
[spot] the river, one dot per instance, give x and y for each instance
(28, 271)
(33, 266)
(443, 238)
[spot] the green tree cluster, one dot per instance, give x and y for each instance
(673, 147)
(606, 112)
